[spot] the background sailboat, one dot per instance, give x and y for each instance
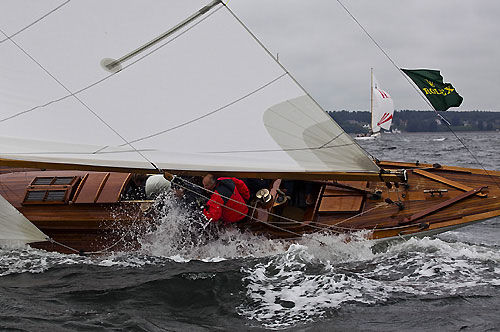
(381, 109)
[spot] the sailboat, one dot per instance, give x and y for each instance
(381, 110)
(186, 89)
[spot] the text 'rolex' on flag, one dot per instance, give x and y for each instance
(441, 95)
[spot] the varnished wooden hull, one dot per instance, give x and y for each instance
(386, 221)
(432, 200)
(84, 227)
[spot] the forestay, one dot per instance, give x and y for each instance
(15, 227)
(209, 97)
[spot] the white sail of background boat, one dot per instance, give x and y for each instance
(381, 107)
(207, 97)
(381, 110)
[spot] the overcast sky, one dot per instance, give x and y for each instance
(321, 45)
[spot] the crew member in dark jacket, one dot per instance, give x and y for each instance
(228, 202)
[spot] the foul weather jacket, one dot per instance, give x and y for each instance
(228, 202)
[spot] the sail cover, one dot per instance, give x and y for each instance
(207, 97)
(15, 228)
(382, 109)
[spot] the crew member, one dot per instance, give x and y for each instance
(228, 200)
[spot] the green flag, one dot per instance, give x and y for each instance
(441, 95)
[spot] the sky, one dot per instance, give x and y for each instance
(331, 56)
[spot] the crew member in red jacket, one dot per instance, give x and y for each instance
(228, 202)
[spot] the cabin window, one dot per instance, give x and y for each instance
(51, 190)
(35, 195)
(42, 181)
(55, 195)
(52, 180)
(63, 180)
(45, 196)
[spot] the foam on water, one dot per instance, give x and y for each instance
(306, 284)
(31, 260)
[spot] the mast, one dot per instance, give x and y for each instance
(371, 98)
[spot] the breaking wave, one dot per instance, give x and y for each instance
(306, 284)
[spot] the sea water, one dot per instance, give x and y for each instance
(238, 282)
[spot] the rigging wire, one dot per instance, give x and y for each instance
(78, 99)
(211, 112)
(35, 21)
(85, 88)
(326, 145)
(289, 74)
(448, 125)
(169, 129)
(74, 94)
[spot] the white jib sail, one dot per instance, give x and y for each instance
(208, 97)
(382, 109)
(15, 228)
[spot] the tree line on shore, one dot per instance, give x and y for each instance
(421, 121)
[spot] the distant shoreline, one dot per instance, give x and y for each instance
(437, 133)
(411, 121)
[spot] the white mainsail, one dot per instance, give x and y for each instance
(15, 227)
(382, 108)
(208, 97)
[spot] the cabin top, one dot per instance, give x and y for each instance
(62, 187)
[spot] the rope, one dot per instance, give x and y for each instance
(355, 216)
(128, 232)
(102, 251)
(326, 226)
(51, 240)
(239, 212)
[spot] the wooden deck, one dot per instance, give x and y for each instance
(421, 197)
